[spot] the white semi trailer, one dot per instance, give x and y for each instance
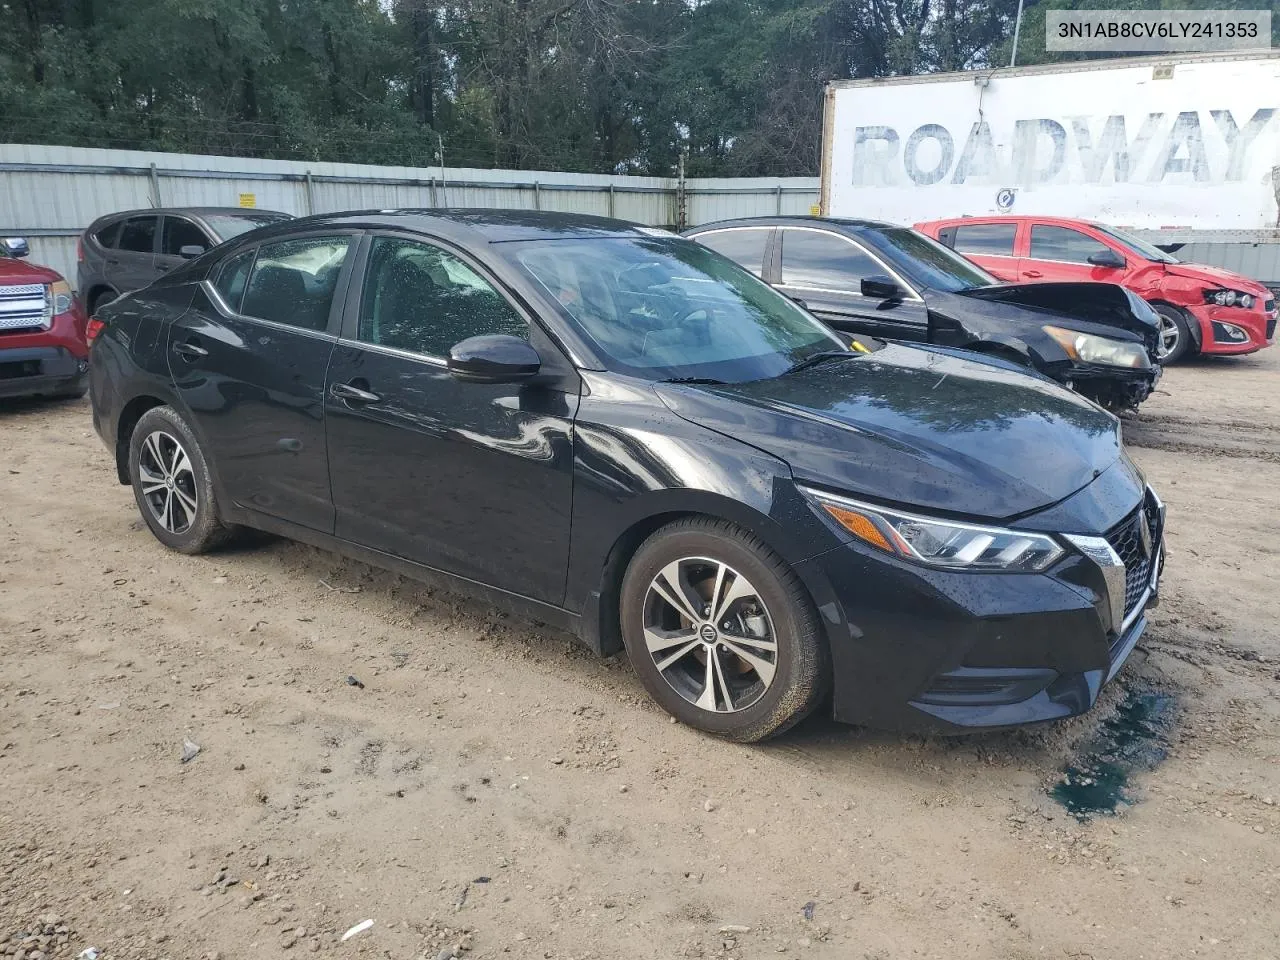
(1183, 149)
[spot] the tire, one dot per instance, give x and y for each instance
(160, 440)
(1175, 334)
(762, 601)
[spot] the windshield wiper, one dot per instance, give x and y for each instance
(711, 380)
(823, 357)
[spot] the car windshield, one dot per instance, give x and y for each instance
(925, 262)
(226, 226)
(1143, 249)
(665, 308)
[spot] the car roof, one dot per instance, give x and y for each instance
(1007, 218)
(841, 224)
(195, 212)
(468, 225)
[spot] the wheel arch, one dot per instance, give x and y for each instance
(130, 414)
(600, 617)
(1192, 321)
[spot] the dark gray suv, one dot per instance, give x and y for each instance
(125, 251)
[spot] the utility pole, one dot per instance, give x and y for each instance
(682, 204)
(1017, 31)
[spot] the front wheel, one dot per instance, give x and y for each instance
(172, 485)
(1175, 334)
(721, 631)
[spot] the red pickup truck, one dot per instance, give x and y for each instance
(42, 329)
(1202, 309)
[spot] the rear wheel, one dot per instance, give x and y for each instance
(171, 484)
(721, 631)
(1175, 334)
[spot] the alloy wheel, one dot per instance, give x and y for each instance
(167, 481)
(710, 634)
(1168, 336)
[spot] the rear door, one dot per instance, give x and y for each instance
(472, 478)
(249, 361)
(130, 265)
(989, 245)
(825, 270)
(175, 233)
(1059, 253)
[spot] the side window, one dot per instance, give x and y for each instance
(232, 278)
(293, 281)
(179, 233)
(420, 298)
(138, 235)
(1063, 243)
(985, 239)
(109, 235)
(744, 247)
(814, 259)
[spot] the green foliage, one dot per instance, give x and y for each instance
(594, 85)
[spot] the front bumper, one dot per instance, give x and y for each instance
(1219, 326)
(918, 649)
(1113, 387)
(28, 371)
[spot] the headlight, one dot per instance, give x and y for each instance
(60, 297)
(1093, 349)
(1230, 298)
(940, 543)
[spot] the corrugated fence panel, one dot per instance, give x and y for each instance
(1261, 261)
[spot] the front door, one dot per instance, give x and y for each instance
(1062, 254)
(825, 270)
(176, 233)
(249, 362)
(471, 478)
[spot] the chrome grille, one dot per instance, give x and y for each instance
(25, 307)
(1127, 541)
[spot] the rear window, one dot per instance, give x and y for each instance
(293, 281)
(985, 239)
(138, 235)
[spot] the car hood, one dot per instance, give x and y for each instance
(1100, 305)
(917, 427)
(13, 270)
(1217, 277)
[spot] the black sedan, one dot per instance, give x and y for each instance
(867, 277)
(621, 433)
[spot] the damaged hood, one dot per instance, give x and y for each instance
(916, 427)
(1217, 277)
(1088, 307)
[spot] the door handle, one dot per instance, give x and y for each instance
(189, 349)
(1032, 273)
(351, 394)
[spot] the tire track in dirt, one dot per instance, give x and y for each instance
(1234, 439)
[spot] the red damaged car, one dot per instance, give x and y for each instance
(1202, 309)
(42, 329)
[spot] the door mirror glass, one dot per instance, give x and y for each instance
(1107, 258)
(16, 247)
(881, 287)
(493, 358)
(191, 251)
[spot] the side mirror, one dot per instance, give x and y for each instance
(16, 247)
(493, 358)
(190, 251)
(881, 288)
(1107, 258)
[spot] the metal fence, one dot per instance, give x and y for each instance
(50, 194)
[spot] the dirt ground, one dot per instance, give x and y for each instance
(495, 791)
